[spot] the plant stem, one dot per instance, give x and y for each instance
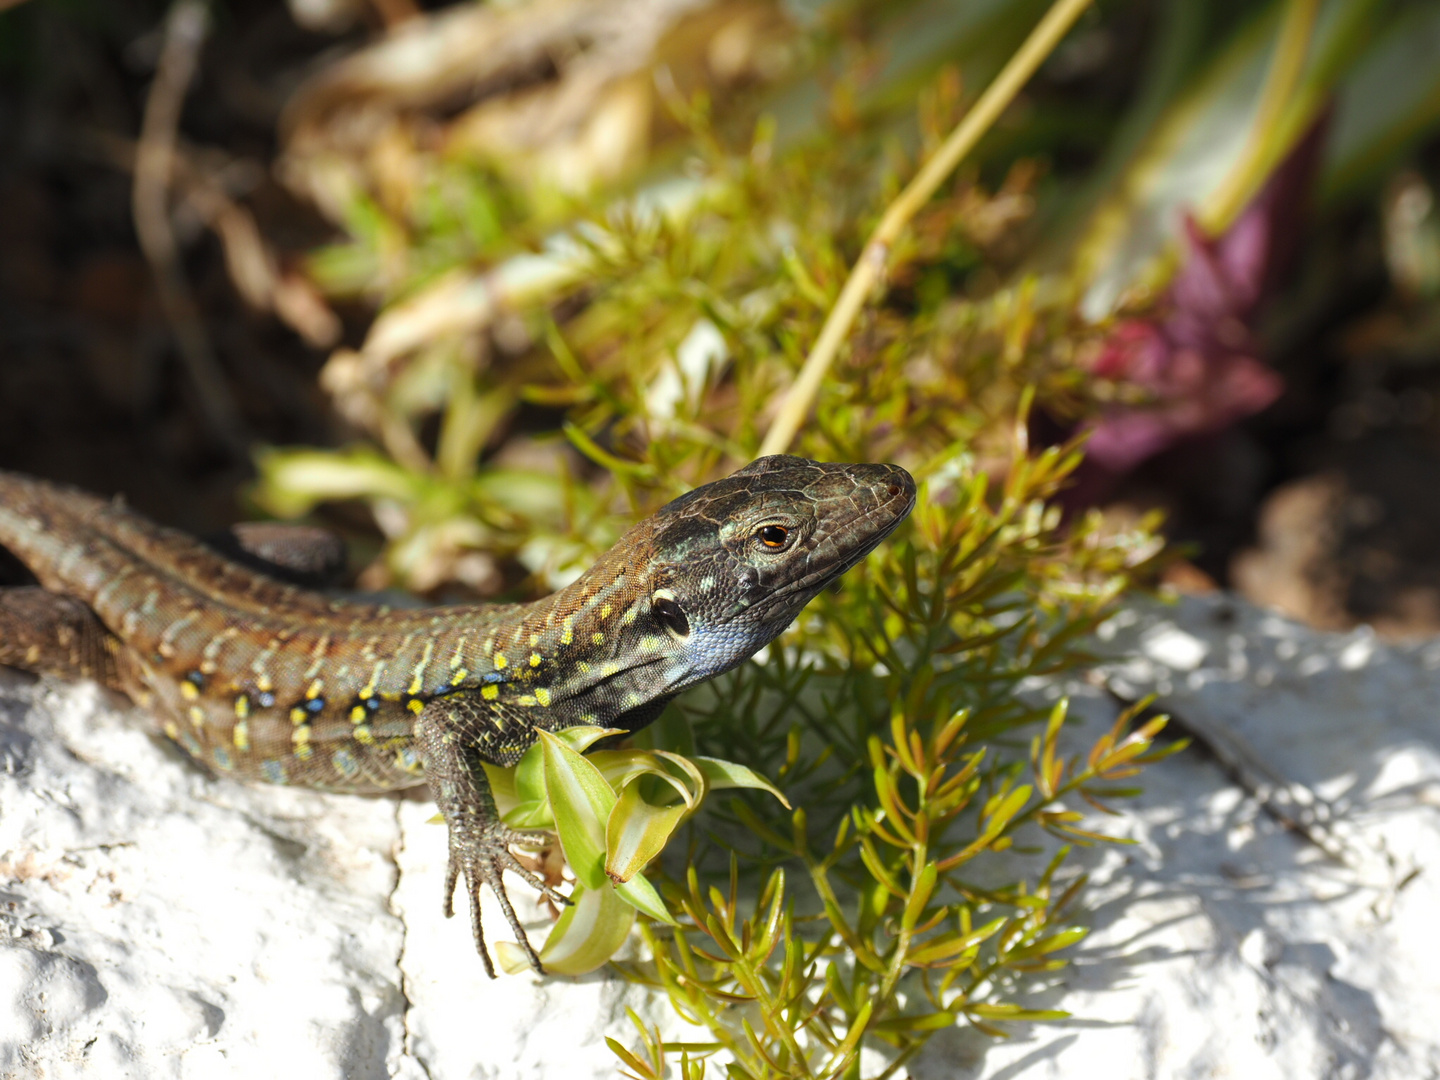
(896, 967)
(186, 27)
(1260, 153)
(870, 267)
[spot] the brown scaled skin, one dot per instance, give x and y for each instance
(268, 681)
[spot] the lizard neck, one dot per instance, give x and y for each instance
(588, 653)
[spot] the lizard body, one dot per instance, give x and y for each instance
(269, 681)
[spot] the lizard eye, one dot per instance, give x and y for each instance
(774, 537)
(671, 615)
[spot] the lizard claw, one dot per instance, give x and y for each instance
(482, 854)
(479, 840)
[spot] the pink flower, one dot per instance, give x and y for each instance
(1196, 359)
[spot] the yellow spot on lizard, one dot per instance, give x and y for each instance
(368, 690)
(417, 678)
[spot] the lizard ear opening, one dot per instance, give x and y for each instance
(670, 614)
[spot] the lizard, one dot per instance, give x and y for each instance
(264, 680)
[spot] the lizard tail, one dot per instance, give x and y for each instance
(50, 634)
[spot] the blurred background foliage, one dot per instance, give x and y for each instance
(480, 283)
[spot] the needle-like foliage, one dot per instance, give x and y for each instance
(896, 709)
(920, 880)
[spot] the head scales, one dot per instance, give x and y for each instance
(720, 572)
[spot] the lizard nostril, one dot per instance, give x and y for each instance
(893, 490)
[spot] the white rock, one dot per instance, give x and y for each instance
(1224, 944)
(159, 922)
(1173, 647)
(163, 923)
(517, 1027)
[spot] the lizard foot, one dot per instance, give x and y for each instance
(482, 853)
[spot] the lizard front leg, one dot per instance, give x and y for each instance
(455, 735)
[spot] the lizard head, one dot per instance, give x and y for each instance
(736, 560)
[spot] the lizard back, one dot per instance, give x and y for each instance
(248, 674)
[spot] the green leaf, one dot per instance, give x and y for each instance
(590, 931)
(936, 1021)
(637, 831)
(1063, 939)
(529, 815)
(591, 449)
(581, 801)
(529, 771)
(640, 1068)
(513, 959)
(1008, 807)
(526, 492)
(583, 736)
(685, 774)
(641, 895)
(851, 1042)
(502, 785)
(293, 481)
(943, 952)
(623, 767)
(1005, 1011)
(532, 812)
(727, 774)
(919, 897)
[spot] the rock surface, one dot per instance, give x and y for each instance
(1223, 943)
(158, 922)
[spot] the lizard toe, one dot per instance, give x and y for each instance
(482, 858)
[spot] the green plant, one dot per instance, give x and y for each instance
(894, 712)
(613, 812)
(921, 879)
(895, 703)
